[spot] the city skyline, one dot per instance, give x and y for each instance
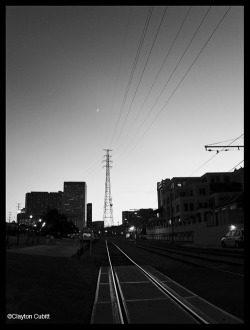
(153, 84)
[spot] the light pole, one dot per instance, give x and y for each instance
(18, 224)
(31, 216)
(38, 229)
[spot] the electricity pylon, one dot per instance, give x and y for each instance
(108, 205)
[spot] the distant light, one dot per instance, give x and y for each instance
(232, 227)
(43, 224)
(132, 228)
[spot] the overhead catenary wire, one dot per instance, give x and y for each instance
(221, 142)
(133, 69)
(236, 165)
(215, 155)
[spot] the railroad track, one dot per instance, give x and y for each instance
(232, 254)
(220, 262)
(127, 293)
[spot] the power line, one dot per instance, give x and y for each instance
(161, 67)
(143, 71)
(172, 73)
(183, 77)
(133, 69)
(123, 47)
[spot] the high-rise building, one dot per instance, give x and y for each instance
(75, 202)
(37, 202)
(89, 215)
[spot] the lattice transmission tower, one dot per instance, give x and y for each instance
(108, 205)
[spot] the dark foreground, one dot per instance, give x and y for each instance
(45, 289)
(61, 290)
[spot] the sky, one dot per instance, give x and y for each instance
(153, 84)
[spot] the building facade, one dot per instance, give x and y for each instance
(37, 203)
(138, 218)
(75, 202)
(187, 204)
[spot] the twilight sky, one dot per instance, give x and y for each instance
(154, 84)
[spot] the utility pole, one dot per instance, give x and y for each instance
(18, 209)
(108, 205)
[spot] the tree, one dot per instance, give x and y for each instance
(57, 222)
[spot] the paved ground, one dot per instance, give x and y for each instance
(48, 280)
(58, 248)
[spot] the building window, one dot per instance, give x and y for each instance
(191, 205)
(202, 191)
(186, 207)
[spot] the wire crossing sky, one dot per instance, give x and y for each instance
(153, 83)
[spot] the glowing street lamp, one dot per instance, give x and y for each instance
(132, 228)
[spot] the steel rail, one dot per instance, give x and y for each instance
(115, 288)
(96, 296)
(166, 291)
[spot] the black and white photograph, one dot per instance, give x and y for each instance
(124, 164)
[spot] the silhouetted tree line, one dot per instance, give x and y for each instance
(57, 222)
